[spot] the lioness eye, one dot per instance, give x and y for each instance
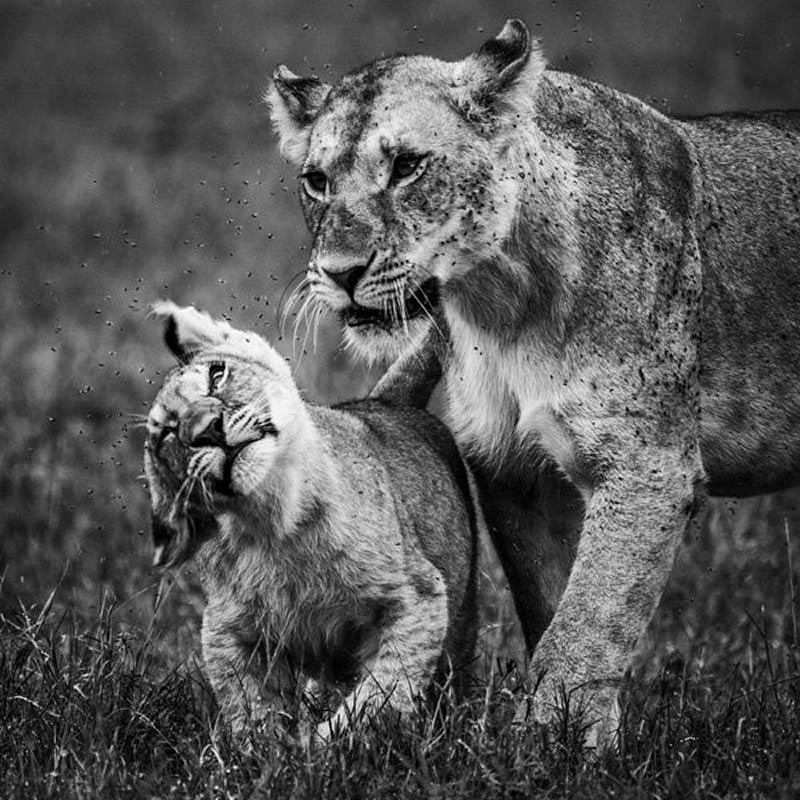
(217, 373)
(315, 183)
(405, 165)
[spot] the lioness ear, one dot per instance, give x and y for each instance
(294, 104)
(187, 330)
(504, 73)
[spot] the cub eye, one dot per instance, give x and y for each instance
(217, 375)
(407, 167)
(315, 182)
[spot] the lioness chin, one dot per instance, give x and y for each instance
(337, 544)
(623, 298)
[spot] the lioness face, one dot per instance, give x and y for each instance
(400, 186)
(389, 193)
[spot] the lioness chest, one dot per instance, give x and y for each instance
(511, 404)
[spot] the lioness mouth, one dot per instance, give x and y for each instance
(423, 299)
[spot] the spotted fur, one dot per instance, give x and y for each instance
(623, 298)
(337, 544)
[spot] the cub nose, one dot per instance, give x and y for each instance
(347, 278)
(203, 429)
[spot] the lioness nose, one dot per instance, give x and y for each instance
(347, 278)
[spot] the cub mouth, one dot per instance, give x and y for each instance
(423, 300)
(224, 485)
(173, 456)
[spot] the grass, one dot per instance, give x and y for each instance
(137, 163)
(96, 711)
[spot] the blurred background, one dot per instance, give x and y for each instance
(138, 163)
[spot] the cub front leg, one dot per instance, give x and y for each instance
(633, 527)
(250, 686)
(402, 668)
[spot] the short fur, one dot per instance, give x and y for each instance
(623, 296)
(336, 543)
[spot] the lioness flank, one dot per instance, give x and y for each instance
(622, 291)
(337, 544)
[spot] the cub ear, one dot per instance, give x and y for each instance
(294, 104)
(187, 330)
(503, 73)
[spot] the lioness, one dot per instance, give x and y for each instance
(336, 543)
(623, 297)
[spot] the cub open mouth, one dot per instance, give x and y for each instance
(225, 486)
(423, 299)
(207, 494)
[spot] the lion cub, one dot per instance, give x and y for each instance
(338, 544)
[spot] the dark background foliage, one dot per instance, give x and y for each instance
(138, 163)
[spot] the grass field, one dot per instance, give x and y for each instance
(137, 163)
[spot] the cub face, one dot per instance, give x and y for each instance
(216, 431)
(403, 181)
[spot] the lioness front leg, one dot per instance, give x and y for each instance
(249, 685)
(633, 527)
(535, 531)
(401, 669)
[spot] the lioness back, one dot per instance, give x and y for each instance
(749, 220)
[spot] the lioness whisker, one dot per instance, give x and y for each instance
(415, 290)
(293, 295)
(309, 301)
(320, 312)
(310, 314)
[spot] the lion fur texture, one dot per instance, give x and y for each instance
(336, 544)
